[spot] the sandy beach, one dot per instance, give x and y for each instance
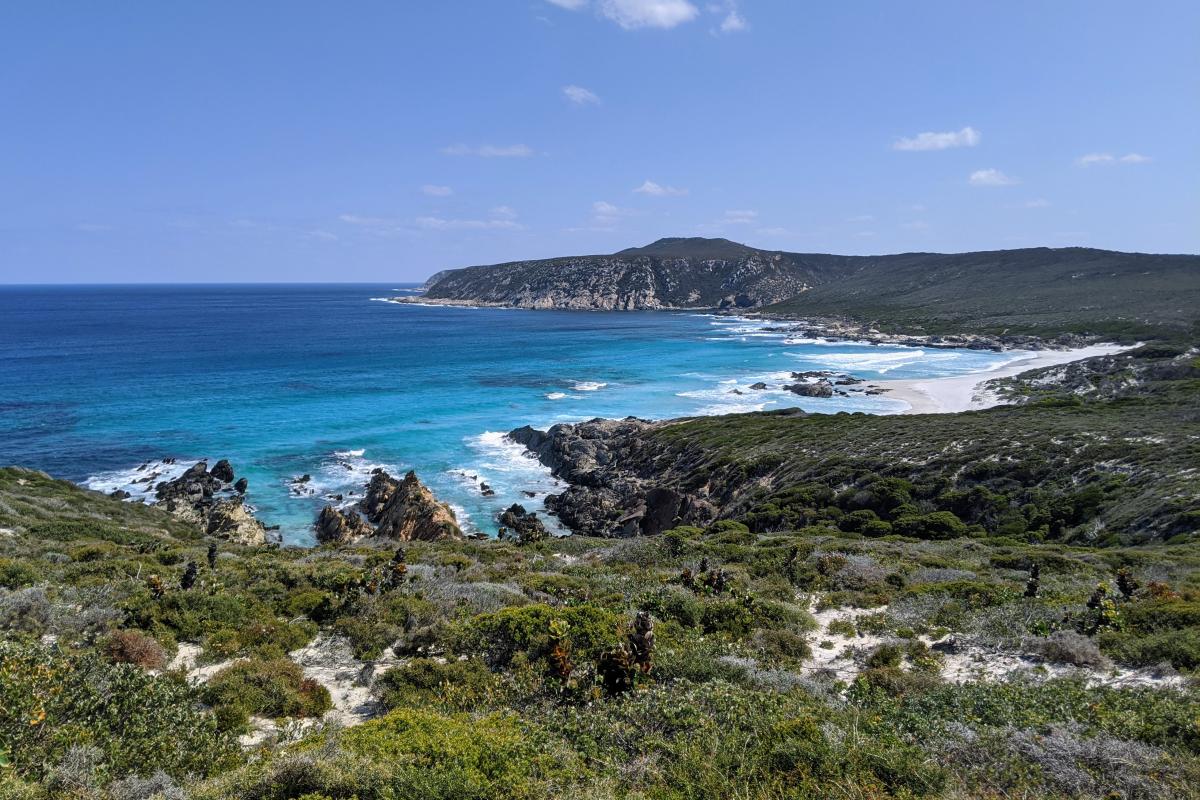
(966, 392)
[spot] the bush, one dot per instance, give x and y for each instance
(26, 611)
(134, 647)
(16, 574)
(730, 617)
(936, 525)
(428, 682)
(50, 702)
(782, 644)
(501, 635)
(275, 688)
(1069, 647)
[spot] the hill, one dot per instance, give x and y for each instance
(1040, 291)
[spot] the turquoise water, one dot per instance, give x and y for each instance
(329, 381)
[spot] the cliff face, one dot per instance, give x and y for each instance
(656, 277)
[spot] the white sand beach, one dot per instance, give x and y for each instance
(966, 392)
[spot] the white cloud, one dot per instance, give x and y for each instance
(437, 191)
(739, 217)
(967, 137)
(733, 21)
(658, 190)
(504, 212)
(916, 225)
(991, 177)
(571, 5)
(1039, 202)
(322, 235)
(1099, 159)
(440, 224)
(1092, 159)
(581, 96)
(489, 151)
(605, 215)
(862, 218)
(631, 14)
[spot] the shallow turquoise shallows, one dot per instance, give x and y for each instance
(96, 382)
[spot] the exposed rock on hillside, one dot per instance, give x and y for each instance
(614, 490)
(406, 509)
(209, 500)
(521, 525)
(671, 273)
(341, 527)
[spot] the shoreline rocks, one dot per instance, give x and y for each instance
(208, 499)
(400, 510)
(615, 490)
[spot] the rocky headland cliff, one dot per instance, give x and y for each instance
(1007, 296)
(669, 274)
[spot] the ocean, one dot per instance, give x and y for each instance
(99, 384)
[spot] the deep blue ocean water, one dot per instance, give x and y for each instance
(325, 380)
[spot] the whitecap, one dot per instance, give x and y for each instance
(140, 481)
(556, 395)
(588, 386)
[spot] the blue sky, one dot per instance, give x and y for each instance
(316, 141)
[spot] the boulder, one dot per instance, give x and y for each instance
(521, 525)
(820, 389)
(222, 471)
(759, 386)
(407, 510)
(241, 486)
(230, 520)
(341, 527)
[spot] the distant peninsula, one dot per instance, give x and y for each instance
(1039, 291)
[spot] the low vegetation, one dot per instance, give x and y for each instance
(1001, 604)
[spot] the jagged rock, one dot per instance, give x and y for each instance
(193, 486)
(759, 386)
(241, 486)
(616, 488)
(119, 494)
(230, 520)
(820, 389)
(407, 510)
(222, 471)
(341, 527)
(522, 525)
(193, 497)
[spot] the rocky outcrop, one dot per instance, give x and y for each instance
(615, 481)
(819, 389)
(206, 498)
(522, 526)
(230, 519)
(406, 509)
(341, 527)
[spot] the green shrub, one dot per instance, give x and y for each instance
(275, 688)
(50, 702)
(501, 635)
(730, 617)
(16, 574)
(428, 682)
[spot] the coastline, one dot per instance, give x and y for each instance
(967, 393)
